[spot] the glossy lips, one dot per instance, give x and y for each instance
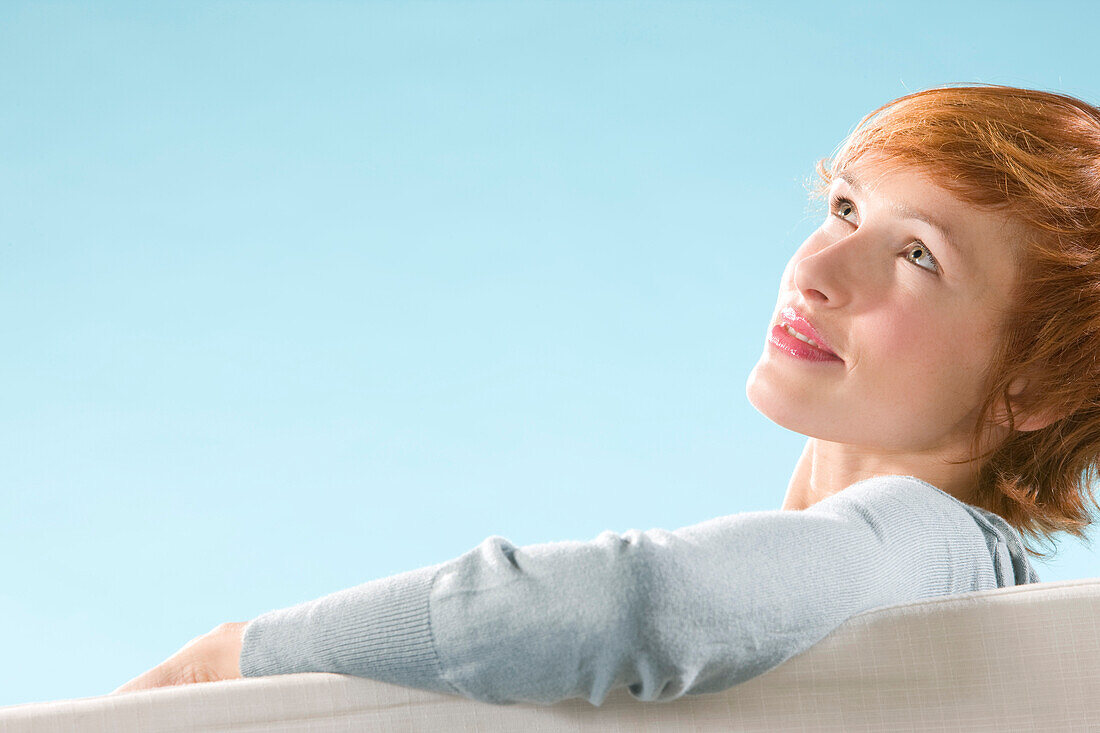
(796, 347)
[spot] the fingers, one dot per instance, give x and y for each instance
(170, 675)
(208, 658)
(156, 677)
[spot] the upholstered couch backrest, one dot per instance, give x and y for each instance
(1019, 658)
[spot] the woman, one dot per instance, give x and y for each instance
(935, 338)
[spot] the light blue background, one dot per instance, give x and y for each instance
(298, 295)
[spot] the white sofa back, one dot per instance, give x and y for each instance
(1024, 658)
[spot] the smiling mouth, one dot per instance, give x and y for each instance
(808, 340)
(799, 346)
(798, 327)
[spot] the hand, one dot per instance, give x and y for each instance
(208, 658)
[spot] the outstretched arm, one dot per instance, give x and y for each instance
(664, 613)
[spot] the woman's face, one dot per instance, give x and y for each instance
(912, 312)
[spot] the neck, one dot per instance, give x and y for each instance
(826, 468)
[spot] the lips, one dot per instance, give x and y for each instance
(800, 323)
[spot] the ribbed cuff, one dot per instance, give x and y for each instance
(379, 630)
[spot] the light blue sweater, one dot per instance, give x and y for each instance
(665, 613)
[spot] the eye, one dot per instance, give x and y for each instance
(919, 246)
(843, 208)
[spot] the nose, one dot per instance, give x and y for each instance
(830, 273)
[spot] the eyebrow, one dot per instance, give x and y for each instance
(907, 212)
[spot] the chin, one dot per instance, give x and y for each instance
(777, 405)
(784, 408)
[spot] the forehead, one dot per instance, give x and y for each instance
(892, 178)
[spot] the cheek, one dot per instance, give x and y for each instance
(926, 354)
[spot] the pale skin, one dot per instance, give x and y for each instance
(212, 657)
(913, 339)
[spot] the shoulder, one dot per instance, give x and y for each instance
(910, 503)
(902, 500)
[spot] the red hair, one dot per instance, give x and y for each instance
(1033, 156)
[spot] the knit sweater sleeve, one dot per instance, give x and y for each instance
(664, 613)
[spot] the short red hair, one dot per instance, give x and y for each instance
(1035, 157)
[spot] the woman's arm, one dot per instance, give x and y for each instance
(690, 611)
